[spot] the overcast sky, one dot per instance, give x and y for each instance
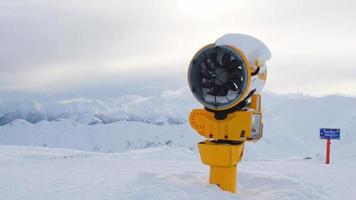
(108, 48)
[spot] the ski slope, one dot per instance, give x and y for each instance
(38, 173)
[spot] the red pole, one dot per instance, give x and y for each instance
(327, 151)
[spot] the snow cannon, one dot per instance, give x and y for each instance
(226, 77)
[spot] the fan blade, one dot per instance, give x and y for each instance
(219, 63)
(234, 64)
(213, 90)
(218, 90)
(210, 65)
(204, 71)
(214, 56)
(236, 75)
(232, 86)
(225, 60)
(207, 83)
(222, 91)
(206, 74)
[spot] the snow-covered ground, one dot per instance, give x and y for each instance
(37, 173)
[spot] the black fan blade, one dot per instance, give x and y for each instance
(222, 91)
(214, 56)
(210, 65)
(213, 61)
(218, 90)
(213, 90)
(232, 86)
(235, 75)
(234, 64)
(225, 60)
(206, 83)
(206, 74)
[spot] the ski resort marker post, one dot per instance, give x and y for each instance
(329, 134)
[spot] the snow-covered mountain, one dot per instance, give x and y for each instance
(169, 108)
(291, 123)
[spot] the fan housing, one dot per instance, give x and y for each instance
(219, 76)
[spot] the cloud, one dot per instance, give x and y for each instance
(59, 46)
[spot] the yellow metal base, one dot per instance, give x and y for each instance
(223, 150)
(238, 126)
(222, 157)
(224, 177)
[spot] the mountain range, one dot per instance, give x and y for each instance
(291, 123)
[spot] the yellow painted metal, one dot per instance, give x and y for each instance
(204, 123)
(220, 154)
(258, 63)
(231, 132)
(256, 102)
(225, 148)
(224, 177)
(262, 76)
(237, 126)
(222, 159)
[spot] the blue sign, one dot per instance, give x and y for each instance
(330, 133)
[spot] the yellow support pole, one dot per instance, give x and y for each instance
(224, 177)
(222, 157)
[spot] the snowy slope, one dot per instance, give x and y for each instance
(34, 173)
(114, 137)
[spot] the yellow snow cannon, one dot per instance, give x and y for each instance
(226, 77)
